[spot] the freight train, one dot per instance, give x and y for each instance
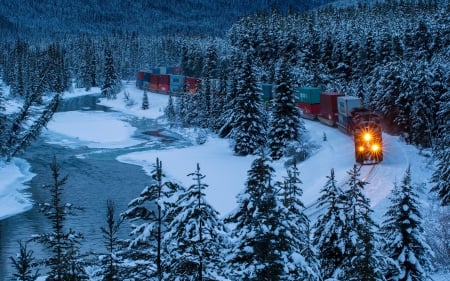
(331, 108)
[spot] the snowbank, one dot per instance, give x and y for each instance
(13, 176)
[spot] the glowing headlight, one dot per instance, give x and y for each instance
(367, 136)
(375, 147)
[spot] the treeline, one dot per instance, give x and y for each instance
(177, 235)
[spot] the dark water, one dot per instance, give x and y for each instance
(93, 177)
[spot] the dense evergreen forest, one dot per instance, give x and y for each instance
(394, 55)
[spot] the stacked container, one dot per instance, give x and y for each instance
(308, 100)
(346, 104)
(328, 108)
(191, 84)
(164, 82)
(176, 83)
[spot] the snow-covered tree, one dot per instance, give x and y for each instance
(328, 230)
(249, 127)
(170, 111)
(24, 264)
(111, 83)
(196, 236)
(286, 124)
(294, 227)
(150, 209)
(361, 258)
(145, 104)
(404, 234)
(65, 262)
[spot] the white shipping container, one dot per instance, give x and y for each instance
(347, 103)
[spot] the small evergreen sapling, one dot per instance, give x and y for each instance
(145, 104)
(24, 263)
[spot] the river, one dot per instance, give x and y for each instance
(94, 176)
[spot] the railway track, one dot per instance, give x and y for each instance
(313, 210)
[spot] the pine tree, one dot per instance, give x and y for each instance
(196, 236)
(404, 234)
(111, 83)
(361, 259)
(24, 263)
(170, 111)
(110, 268)
(286, 125)
(145, 104)
(441, 176)
(294, 231)
(249, 126)
(266, 244)
(329, 228)
(65, 262)
(151, 207)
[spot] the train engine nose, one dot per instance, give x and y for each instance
(368, 146)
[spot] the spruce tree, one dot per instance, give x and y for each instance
(170, 111)
(329, 228)
(249, 127)
(441, 176)
(24, 264)
(111, 83)
(151, 210)
(65, 262)
(294, 229)
(404, 234)
(286, 125)
(110, 267)
(145, 104)
(361, 259)
(262, 240)
(196, 236)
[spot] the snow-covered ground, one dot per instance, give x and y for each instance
(225, 173)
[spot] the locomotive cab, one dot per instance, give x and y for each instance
(368, 137)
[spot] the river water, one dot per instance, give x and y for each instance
(93, 177)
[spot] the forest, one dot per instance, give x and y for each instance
(394, 55)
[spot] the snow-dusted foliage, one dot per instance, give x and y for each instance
(249, 126)
(286, 125)
(65, 261)
(196, 236)
(404, 234)
(151, 210)
(145, 104)
(111, 82)
(361, 258)
(328, 230)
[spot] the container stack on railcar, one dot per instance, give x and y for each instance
(308, 100)
(166, 80)
(328, 108)
(346, 104)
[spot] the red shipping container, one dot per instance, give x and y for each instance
(164, 82)
(310, 109)
(328, 106)
(154, 80)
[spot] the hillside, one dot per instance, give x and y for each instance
(192, 17)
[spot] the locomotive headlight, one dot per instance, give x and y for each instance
(361, 148)
(367, 136)
(375, 147)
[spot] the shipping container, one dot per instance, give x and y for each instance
(191, 84)
(328, 107)
(146, 76)
(156, 70)
(163, 70)
(164, 82)
(310, 95)
(267, 91)
(177, 70)
(347, 103)
(308, 110)
(154, 80)
(140, 75)
(176, 83)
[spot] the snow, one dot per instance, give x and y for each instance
(13, 175)
(225, 172)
